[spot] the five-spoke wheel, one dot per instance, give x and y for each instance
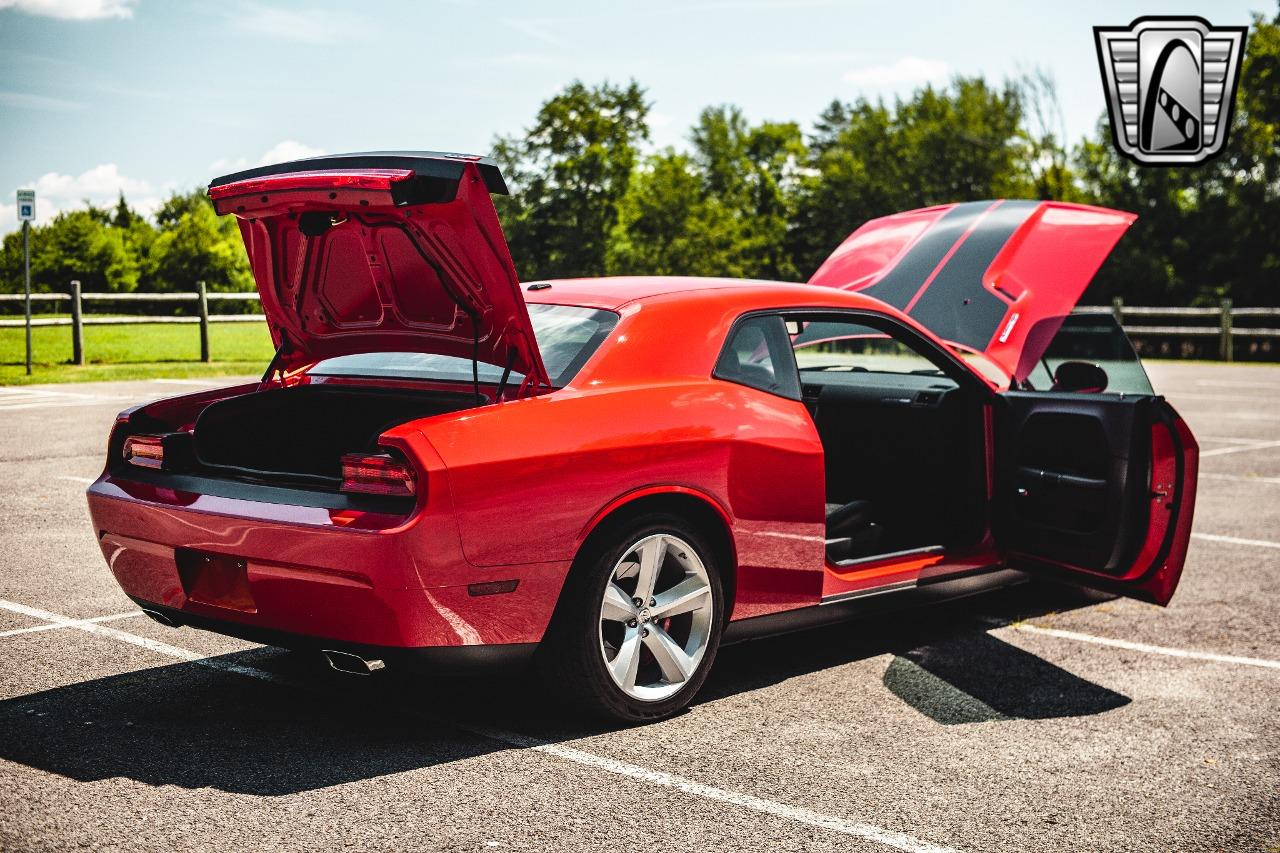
(656, 617)
(638, 624)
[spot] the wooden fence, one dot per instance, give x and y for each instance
(77, 321)
(1193, 332)
(1224, 332)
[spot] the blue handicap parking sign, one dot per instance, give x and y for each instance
(26, 211)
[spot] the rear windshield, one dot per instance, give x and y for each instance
(1098, 339)
(567, 336)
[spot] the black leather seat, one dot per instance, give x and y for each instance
(851, 532)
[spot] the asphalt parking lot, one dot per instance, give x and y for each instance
(1029, 719)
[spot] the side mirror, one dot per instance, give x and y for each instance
(1079, 376)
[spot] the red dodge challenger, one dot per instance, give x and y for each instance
(615, 476)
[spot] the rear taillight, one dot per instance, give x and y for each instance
(145, 451)
(377, 474)
(169, 451)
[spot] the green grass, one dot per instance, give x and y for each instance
(145, 351)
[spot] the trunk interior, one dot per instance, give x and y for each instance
(300, 434)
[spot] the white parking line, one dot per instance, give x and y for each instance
(54, 626)
(85, 480)
(1246, 416)
(1240, 448)
(1235, 540)
(1144, 647)
(1233, 383)
(1237, 478)
(134, 640)
(864, 831)
(203, 383)
(1233, 398)
(17, 399)
(867, 832)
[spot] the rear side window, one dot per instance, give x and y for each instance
(1098, 339)
(758, 354)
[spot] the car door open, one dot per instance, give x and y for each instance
(1096, 488)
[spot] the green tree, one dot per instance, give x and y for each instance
(75, 245)
(960, 143)
(195, 244)
(669, 225)
(569, 173)
(754, 173)
(1045, 160)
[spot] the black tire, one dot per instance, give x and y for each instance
(570, 659)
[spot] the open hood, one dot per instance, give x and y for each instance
(994, 277)
(390, 252)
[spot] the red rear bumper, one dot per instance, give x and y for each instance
(259, 569)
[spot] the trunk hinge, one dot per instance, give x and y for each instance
(274, 367)
(475, 355)
(506, 373)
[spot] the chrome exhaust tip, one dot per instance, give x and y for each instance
(163, 618)
(352, 664)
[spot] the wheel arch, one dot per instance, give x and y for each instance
(702, 510)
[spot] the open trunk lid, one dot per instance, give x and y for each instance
(993, 277)
(382, 252)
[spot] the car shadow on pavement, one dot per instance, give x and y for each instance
(192, 726)
(976, 678)
(304, 728)
(945, 664)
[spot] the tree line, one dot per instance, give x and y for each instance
(770, 200)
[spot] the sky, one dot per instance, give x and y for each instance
(148, 96)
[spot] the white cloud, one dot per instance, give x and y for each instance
(289, 149)
(908, 71)
(281, 152)
(56, 192)
(101, 185)
(517, 59)
(657, 119)
(25, 100)
(535, 30)
(806, 59)
(227, 165)
(310, 26)
(99, 181)
(73, 10)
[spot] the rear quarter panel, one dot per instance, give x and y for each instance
(528, 478)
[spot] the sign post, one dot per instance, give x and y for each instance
(26, 213)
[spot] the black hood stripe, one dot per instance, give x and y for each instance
(900, 284)
(955, 306)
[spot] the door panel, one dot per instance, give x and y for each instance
(1096, 487)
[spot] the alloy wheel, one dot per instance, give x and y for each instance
(656, 617)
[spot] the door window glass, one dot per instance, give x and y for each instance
(839, 347)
